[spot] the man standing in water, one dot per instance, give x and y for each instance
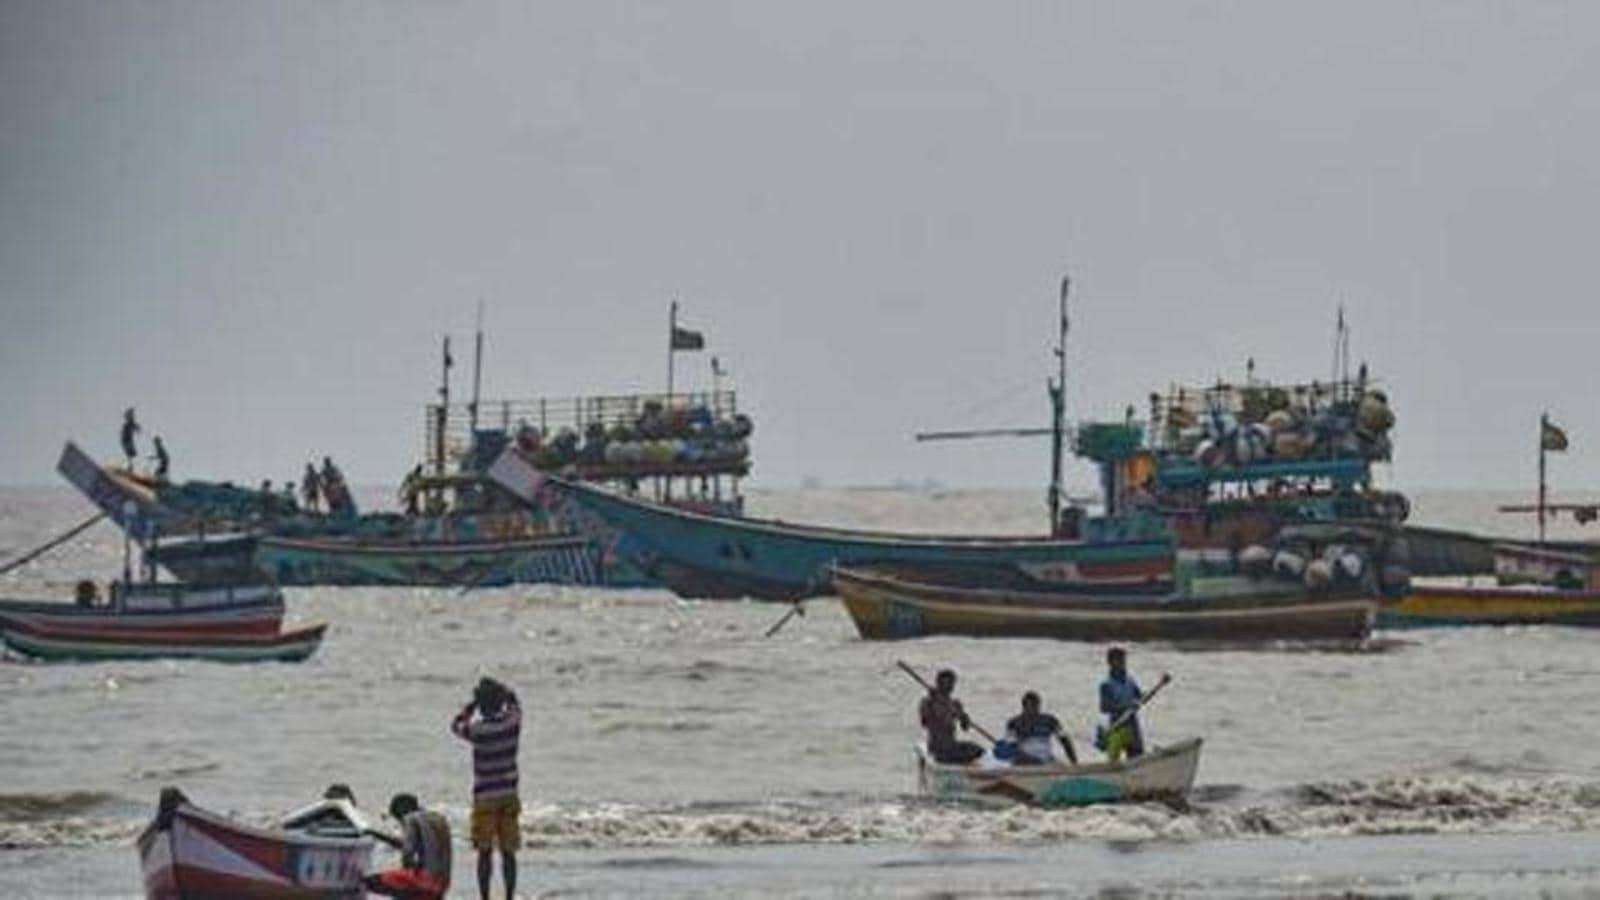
(941, 712)
(1120, 694)
(495, 807)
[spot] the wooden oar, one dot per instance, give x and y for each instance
(929, 688)
(1130, 712)
(52, 543)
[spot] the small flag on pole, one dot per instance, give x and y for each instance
(1551, 437)
(684, 339)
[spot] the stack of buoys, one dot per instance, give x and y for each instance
(1279, 428)
(656, 438)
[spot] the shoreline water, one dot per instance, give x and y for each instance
(676, 752)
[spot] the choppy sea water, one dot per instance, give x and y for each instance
(671, 750)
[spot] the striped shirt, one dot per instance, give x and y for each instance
(494, 749)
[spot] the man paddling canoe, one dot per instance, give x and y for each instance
(941, 712)
(1119, 701)
(1032, 730)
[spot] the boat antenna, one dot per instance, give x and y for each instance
(1058, 401)
(477, 373)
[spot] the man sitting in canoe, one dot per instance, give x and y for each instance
(941, 712)
(1120, 694)
(1031, 733)
(424, 872)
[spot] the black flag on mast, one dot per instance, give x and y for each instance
(1552, 437)
(684, 339)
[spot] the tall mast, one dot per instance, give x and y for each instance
(477, 373)
(443, 416)
(672, 335)
(1544, 426)
(1058, 402)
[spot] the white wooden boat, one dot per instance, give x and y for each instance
(188, 853)
(1165, 774)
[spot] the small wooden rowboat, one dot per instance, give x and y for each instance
(1423, 607)
(162, 607)
(1165, 774)
(890, 607)
(57, 642)
(189, 853)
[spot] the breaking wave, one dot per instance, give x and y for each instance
(1452, 804)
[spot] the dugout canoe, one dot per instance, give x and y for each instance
(892, 606)
(176, 608)
(55, 642)
(1165, 774)
(189, 853)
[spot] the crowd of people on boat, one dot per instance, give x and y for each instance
(1032, 734)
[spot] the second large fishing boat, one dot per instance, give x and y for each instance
(699, 555)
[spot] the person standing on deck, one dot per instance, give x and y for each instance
(1120, 694)
(424, 845)
(163, 462)
(496, 809)
(130, 427)
(311, 488)
(940, 713)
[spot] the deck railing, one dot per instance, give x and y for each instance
(447, 430)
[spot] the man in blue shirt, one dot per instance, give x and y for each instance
(1119, 694)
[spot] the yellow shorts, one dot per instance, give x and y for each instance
(495, 823)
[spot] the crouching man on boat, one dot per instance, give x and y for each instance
(941, 712)
(424, 846)
(496, 809)
(1031, 732)
(1119, 701)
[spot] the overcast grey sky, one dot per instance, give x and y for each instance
(254, 220)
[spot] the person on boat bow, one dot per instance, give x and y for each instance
(941, 712)
(1031, 732)
(1119, 696)
(424, 845)
(162, 460)
(130, 427)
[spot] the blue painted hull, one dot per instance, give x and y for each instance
(697, 555)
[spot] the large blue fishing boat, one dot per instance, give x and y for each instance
(700, 555)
